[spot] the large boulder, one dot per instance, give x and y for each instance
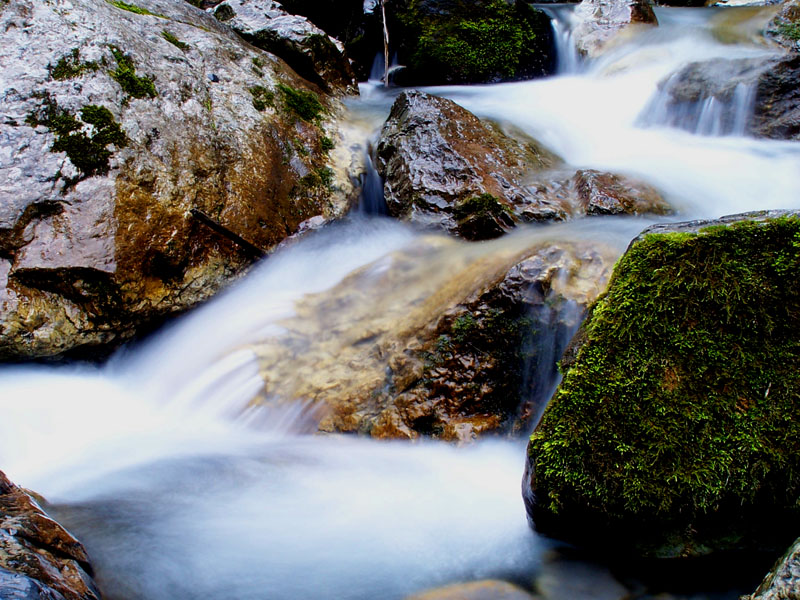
(310, 51)
(601, 22)
(755, 96)
(783, 581)
(39, 559)
(128, 129)
(673, 432)
(445, 168)
(440, 340)
(468, 41)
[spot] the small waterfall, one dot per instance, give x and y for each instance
(371, 201)
(568, 59)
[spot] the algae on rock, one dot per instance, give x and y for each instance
(674, 430)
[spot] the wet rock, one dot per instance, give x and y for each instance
(112, 132)
(445, 168)
(310, 51)
(755, 96)
(607, 194)
(39, 559)
(564, 577)
(600, 22)
(467, 41)
(439, 340)
(476, 590)
(669, 435)
(783, 581)
(784, 29)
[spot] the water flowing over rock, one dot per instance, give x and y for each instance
(755, 96)
(469, 41)
(39, 559)
(601, 22)
(307, 48)
(783, 581)
(445, 168)
(118, 120)
(441, 340)
(671, 433)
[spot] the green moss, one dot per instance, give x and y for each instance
(321, 178)
(326, 144)
(134, 8)
(129, 81)
(262, 97)
(71, 67)
(485, 204)
(790, 30)
(305, 105)
(683, 399)
(87, 150)
(174, 40)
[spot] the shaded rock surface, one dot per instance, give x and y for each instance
(600, 22)
(477, 590)
(310, 51)
(468, 41)
(441, 340)
(671, 433)
(757, 96)
(445, 168)
(783, 581)
(117, 122)
(39, 559)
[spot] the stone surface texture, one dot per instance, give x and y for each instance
(600, 22)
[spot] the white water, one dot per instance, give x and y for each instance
(180, 492)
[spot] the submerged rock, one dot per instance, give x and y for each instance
(601, 22)
(672, 432)
(307, 48)
(118, 121)
(783, 581)
(39, 559)
(445, 168)
(488, 589)
(441, 340)
(469, 41)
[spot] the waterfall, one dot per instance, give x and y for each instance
(568, 59)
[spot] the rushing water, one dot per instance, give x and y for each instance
(181, 491)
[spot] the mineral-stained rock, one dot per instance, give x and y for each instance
(602, 21)
(672, 432)
(783, 581)
(441, 340)
(477, 590)
(118, 120)
(39, 559)
(310, 51)
(445, 168)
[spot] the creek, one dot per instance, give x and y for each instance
(181, 489)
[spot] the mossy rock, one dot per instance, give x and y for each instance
(674, 431)
(458, 41)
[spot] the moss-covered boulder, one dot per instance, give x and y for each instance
(784, 28)
(468, 41)
(675, 431)
(122, 123)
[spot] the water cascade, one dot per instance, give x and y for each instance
(183, 487)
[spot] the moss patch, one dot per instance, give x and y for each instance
(125, 75)
(790, 30)
(305, 105)
(71, 66)
(262, 97)
(134, 8)
(174, 40)
(88, 149)
(680, 407)
(482, 217)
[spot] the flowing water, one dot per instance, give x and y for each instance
(181, 489)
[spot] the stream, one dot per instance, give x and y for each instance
(181, 489)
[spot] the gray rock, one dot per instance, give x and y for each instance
(784, 28)
(602, 21)
(307, 48)
(783, 581)
(111, 131)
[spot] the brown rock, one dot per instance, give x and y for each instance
(608, 194)
(477, 590)
(38, 557)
